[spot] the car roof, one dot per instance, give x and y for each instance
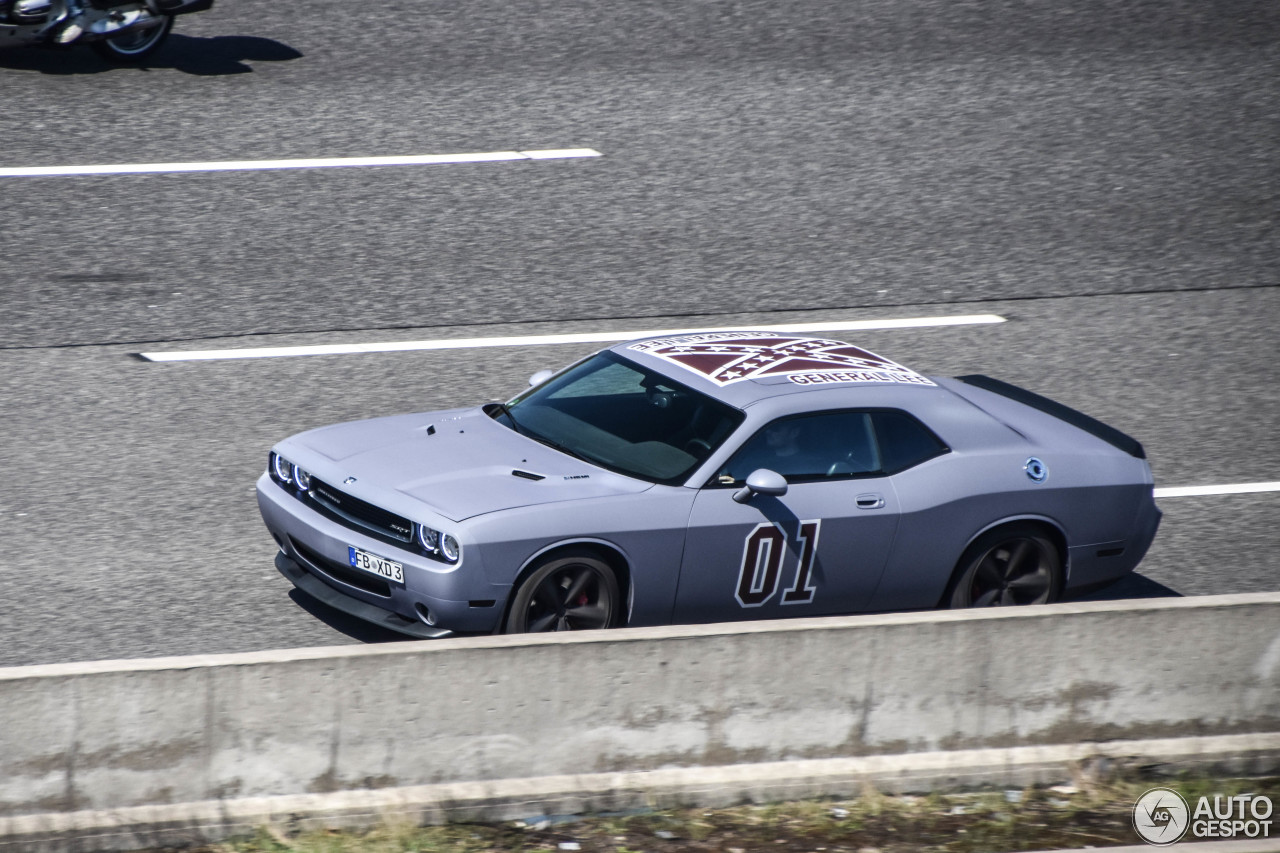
(745, 367)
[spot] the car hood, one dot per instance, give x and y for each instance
(461, 463)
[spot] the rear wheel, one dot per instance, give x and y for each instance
(1011, 565)
(575, 591)
(135, 45)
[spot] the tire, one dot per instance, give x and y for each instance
(542, 602)
(136, 45)
(1017, 564)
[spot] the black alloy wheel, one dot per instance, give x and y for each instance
(1009, 566)
(574, 591)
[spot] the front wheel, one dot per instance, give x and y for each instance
(1008, 566)
(575, 591)
(135, 45)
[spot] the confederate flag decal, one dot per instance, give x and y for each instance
(725, 357)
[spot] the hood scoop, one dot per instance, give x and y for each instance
(527, 475)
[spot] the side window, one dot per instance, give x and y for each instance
(904, 441)
(807, 448)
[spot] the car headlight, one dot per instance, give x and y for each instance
(302, 478)
(449, 548)
(442, 546)
(429, 539)
(281, 469)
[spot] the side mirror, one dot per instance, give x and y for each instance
(762, 481)
(540, 377)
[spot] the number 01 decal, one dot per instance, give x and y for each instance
(762, 565)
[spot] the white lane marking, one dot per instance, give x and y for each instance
(1229, 489)
(544, 340)
(313, 163)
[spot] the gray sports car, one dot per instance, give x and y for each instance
(708, 477)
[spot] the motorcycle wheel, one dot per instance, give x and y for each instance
(136, 45)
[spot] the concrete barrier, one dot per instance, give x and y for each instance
(108, 747)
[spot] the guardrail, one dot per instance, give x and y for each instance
(199, 746)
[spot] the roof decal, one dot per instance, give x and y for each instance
(725, 357)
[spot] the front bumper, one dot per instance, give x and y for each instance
(454, 598)
(329, 595)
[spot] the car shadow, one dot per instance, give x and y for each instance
(356, 629)
(204, 57)
(1130, 586)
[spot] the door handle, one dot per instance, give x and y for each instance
(870, 502)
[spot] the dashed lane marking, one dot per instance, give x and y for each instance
(544, 340)
(1229, 489)
(313, 163)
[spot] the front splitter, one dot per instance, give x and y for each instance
(326, 594)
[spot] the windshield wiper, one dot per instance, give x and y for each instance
(504, 409)
(555, 446)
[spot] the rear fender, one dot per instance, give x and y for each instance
(1051, 527)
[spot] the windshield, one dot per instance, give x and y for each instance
(618, 415)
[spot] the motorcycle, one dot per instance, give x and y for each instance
(119, 30)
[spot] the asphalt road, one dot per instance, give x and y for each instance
(1104, 174)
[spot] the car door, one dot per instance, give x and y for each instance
(817, 549)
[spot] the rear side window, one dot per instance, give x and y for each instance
(904, 441)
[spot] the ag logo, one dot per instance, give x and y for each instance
(1161, 816)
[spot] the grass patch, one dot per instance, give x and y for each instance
(1084, 815)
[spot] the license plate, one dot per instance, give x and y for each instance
(376, 565)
